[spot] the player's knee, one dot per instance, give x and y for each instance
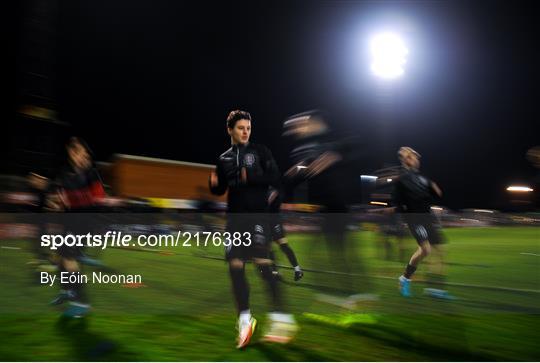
(262, 261)
(236, 264)
(266, 272)
(426, 249)
(282, 241)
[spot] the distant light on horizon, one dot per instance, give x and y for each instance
(483, 211)
(516, 188)
(379, 203)
(389, 55)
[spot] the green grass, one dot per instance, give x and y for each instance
(186, 313)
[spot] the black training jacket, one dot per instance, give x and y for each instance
(413, 193)
(262, 172)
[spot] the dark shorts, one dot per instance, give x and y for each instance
(276, 227)
(253, 240)
(425, 228)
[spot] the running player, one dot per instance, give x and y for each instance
(413, 196)
(79, 190)
(247, 170)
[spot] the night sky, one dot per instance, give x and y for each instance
(158, 79)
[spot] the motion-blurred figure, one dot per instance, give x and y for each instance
(79, 189)
(321, 162)
(413, 196)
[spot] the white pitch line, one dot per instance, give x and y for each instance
(529, 254)
(10, 248)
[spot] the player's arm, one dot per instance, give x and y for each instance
(217, 180)
(323, 162)
(270, 174)
(435, 189)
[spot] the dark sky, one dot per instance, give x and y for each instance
(158, 78)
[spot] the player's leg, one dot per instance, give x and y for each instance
(240, 288)
(276, 233)
(283, 326)
(74, 289)
(420, 233)
(291, 256)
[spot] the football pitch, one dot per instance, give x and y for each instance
(184, 309)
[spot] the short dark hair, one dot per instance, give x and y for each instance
(236, 115)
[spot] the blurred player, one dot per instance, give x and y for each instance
(79, 189)
(247, 171)
(413, 196)
(321, 161)
(278, 234)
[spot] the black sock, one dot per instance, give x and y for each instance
(289, 253)
(273, 287)
(272, 256)
(240, 288)
(409, 271)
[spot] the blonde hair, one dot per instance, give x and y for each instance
(405, 150)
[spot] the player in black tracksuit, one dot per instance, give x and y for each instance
(413, 196)
(247, 171)
(323, 162)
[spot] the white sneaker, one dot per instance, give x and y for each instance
(245, 331)
(282, 330)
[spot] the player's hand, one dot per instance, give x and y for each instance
(298, 275)
(243, 175)
(213, 179)
(273, 195)
(436, 188)
(37, 181)
(295, 170)
(54, 203)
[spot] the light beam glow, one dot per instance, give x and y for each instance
(389, 55)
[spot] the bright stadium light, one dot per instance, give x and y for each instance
(389, 55)
(515, 188)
